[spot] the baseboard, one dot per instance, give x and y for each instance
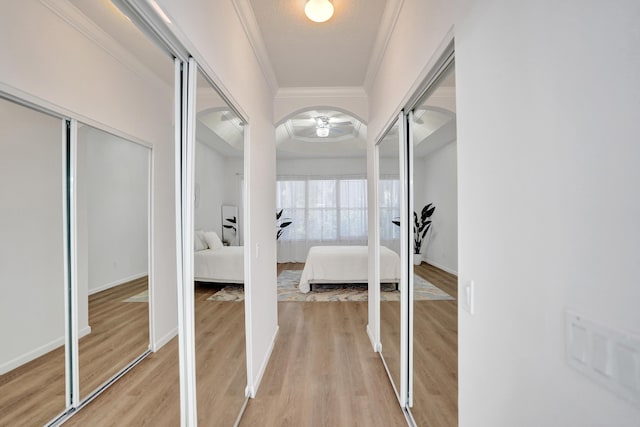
(440, 266)
(375, 345)
(158, 344)
(251, 391)
(117, 283)
(37, 352)
(84, 331)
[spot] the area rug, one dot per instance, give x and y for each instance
(141, 297)
(288, 291)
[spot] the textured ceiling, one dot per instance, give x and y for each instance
(307, 54)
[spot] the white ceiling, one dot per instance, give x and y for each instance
(302, 54)
(297, 138)
(308, 54)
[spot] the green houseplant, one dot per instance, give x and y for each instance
(281, 223)
(421, 226)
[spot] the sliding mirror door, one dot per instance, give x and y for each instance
(112, 206)
(32, 266)
(390, 227)
(432, 126)
(218, 259)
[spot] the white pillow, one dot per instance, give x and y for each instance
(212, 240)
(198, 241)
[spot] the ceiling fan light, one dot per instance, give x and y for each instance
(318, 10)
(322, 132)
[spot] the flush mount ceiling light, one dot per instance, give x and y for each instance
(319, 10)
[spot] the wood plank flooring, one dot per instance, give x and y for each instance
(119, 334)
(149, 395)
(34, 393)
(435, 387)
(322, 371)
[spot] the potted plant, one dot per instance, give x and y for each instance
(421, 226)
(281, 223)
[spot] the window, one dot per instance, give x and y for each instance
(324, 210)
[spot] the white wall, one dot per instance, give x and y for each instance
(438, 184)
(548, 101)
(320, 167)
(293, 100)
(32, 282)
(114, 174)
(417, 35)
(233, 194)
(547, 95)
(69, 72)
(216, 36)
(210, 185)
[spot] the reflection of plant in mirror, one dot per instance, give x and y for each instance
(420, 226)
(281, 223)
(233, 224)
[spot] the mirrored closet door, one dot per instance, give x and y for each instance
(432, 127)
(218, 258)
(32, 266)
(391, 225)
(112, 237)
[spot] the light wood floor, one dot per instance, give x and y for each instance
(119, 334)
(34, 393)
(435, 345)
(322, 371)
(149, 395)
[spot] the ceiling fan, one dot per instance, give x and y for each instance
(321, 125)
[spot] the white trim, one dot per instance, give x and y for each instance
(440, 266)
(160, 342)
(117, 283)
(73, 264)
(85, 26)
(150, 252)
(406, 259)
(387, 25)
(245, 13)
(429, 68)
(37, 352)
(248, 244)
(253, 389)
(321, 92)
(76, 19)
(377, 347)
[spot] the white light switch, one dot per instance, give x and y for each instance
(608, 356)
(468, 296)
(578, 343)
(257, 250)
(600, 354)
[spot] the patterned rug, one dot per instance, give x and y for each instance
(141, 297)
(288, 291)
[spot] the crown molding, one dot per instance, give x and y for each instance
(387, 25)
(74, 17)
(252, 30)
(321, 92)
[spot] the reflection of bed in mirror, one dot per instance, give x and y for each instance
(213, 262)
(346, 264)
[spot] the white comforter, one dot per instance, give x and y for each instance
(346, 264)
(224, 265)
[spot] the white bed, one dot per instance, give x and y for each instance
(346, 264)
(214, 262)
(224, 265)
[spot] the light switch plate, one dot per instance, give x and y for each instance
(609, 357)
(468, 296)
